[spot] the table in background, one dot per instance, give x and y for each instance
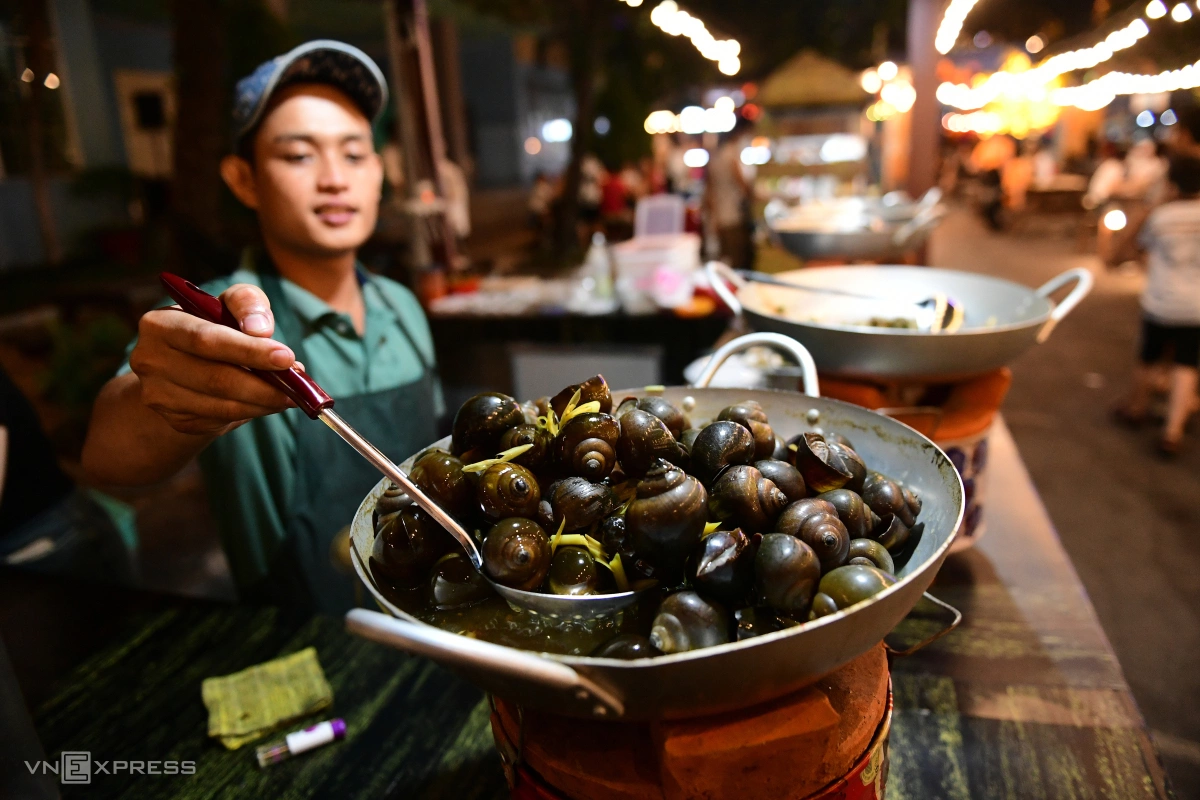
(1025, 700)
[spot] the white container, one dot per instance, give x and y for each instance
(654, 272)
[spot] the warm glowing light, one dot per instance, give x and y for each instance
(888, 70)
(1115, 220)
(1168, 117)
(533, 145)
(871, 82)
(952, 22)
(1156, 9)
(691, 120)
(1034, 44)
(557, 130)
(724, 104)
(696, 157)
(729, 66)
(674, 21)
(51, 81)
(1145, 119)
(899, 94)
(634, 3)
(1181, 13)
(1098, 93)
(27, 75)
(755, 155)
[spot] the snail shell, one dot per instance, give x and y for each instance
(741, 496)
(508, 490)
(627, 646)
(815, 522)
(614, 536)
(846, 459)
(573, 572)
(666, 519)
(750, 415)
(675, 420)
(440, 475)
(786, 573)
(392, 500)
(858, 518)
(587, 446)
(516, 553)
(893, 533)
(538, 456)
(725, 566)
(837, 438)
(594, 388)
(885, 497)
(871, 553)
(717, 446)
(645, 439)
(455, 583)
(482, 420)
(579, 501)
(785, 476)
(820, 467)
(407, 545)
(686, 621)
(854, 583)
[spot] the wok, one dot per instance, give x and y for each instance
(1003, 319)
(728, 676)
(855, 229)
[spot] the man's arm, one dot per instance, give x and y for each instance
(187, 386)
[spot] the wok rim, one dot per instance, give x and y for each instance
(868, 330)
(589, 662)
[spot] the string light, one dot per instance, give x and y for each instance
(1156, 9)
(1181, 13)
(694, 119)
(952, 22)
(1033, 82)
(673, 20)
(1034, 44)
(1098, 93)
(52, 81)
(871, 82)
(888, 71)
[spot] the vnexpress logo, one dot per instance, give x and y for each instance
(77, 767)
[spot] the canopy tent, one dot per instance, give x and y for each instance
(809, 79)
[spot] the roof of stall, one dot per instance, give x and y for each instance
(809, 79)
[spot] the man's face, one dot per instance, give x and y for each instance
(316, 178)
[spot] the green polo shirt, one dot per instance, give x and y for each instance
(250, 471)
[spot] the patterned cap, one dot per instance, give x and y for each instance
(320, 61)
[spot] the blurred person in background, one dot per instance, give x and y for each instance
(1170, 305)
(616, 203)
(1108, 177)
(988, 160)
(1045, 164)
(1016, 176)
(1185, 136)
(541, 201)
(678, 174)
(592, 176)
(457, 197)
(727, 198)
(280, 486)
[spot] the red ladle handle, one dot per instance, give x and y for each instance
(292, 382)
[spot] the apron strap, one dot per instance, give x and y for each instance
(365, 278)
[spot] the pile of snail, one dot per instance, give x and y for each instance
(743, 533)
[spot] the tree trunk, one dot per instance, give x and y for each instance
(40, 56)
(201, 135)
(587, 39)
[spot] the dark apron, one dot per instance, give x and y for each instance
(331, 477)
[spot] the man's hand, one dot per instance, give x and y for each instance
(191, 371)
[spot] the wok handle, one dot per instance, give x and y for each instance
(1083, 284)
(453, 650)
(718, 273)
(927, 217)
(297, 385)
(777, 341)
(955, 619)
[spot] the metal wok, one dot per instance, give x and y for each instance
(719, 678)
(1003, 319)
(856, 229)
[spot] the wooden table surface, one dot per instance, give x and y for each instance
(1024, 700)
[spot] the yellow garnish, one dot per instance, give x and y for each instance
(657, 388)
(502, 457)
(617, 568)
(549, 422)
(710, 527)
(556, 539)
(572, 413)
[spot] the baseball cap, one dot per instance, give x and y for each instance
(319, 61)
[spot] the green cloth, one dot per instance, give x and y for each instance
(248, 705)
(250, 471)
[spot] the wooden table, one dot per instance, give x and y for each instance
(1025, 700)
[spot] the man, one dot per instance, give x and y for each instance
(728, 197)
(280, 485)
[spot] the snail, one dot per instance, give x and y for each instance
(872, 554)
(455, 583)
(645, 438)
(593, 389)
(482, 420)
(885, 496)
(587, 446)
(407, 545)
(392, 500)
(675, 420)
(667, 517)
(686, 621)
(741, 496)
(717, 446)
(440, 475)
(785, 476)
(614, 536)
(786, 573)
(627, 646)
(580, 502)
(815, 522)
(858, 518)
(573, 572)
(845, 586)
(508, 490)
(754, 621)
(892, 533)
(516, 553)
(538, 456)
(821, 466)
(725, 566)
(750, 415)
